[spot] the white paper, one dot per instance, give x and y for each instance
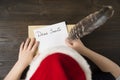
(51, 36)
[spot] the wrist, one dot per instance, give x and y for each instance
(20, 65)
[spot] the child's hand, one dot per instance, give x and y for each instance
(27, 51)
(75, 44)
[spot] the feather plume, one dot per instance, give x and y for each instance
(91, 22)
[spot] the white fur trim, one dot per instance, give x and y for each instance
(65, 50)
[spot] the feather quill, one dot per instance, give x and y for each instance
(91, 22)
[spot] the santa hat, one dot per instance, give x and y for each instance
(59, 63)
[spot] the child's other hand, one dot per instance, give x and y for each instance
(27, 51)
(75, 44)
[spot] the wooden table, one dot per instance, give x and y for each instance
(16, 15)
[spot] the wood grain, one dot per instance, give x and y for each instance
(16, 15)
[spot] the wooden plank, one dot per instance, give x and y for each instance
(5, 67)
(16, 15)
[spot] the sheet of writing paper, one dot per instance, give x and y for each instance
(51, 36)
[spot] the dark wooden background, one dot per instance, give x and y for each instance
(16, 15)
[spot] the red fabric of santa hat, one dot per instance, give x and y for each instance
(60, 63)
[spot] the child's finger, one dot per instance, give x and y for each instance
(26, 43)
(21, 46)
(35, 46)
(32, 42)
(69, 42)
